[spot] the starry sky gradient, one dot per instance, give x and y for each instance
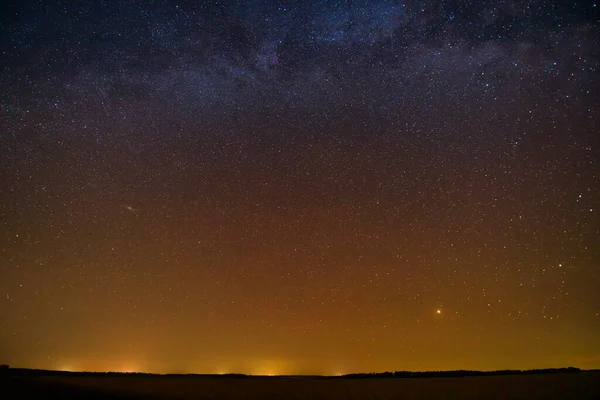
(298, 187)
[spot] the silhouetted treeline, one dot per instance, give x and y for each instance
(5, 370)
(459, 373)
(44, 372)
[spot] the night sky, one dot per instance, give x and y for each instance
(299, 187)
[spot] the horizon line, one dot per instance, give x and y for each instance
(386, 374)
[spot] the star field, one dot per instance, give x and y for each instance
(299, 187)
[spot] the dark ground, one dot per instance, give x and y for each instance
(582, 385)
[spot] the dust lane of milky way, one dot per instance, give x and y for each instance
(299, 187)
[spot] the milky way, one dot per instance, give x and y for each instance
(302, 187)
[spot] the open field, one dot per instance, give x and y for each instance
(584, 385)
